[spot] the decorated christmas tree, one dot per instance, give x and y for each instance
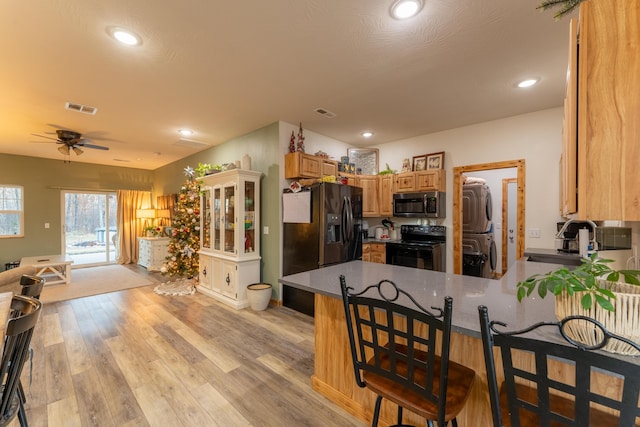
(185, 239)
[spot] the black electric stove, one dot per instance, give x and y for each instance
(421, 246)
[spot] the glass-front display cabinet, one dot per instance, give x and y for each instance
(230, 238)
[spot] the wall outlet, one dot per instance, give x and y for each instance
(265, 229)
(46, 225)
(534, 232)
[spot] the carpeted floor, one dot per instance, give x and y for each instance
(95, 280)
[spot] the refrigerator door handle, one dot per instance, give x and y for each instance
(345, 220)
(350, 222)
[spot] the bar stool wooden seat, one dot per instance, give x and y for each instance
(600, 390)
(400, 351)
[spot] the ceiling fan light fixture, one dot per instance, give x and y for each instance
(64, 150)
(77, 150)
(405, 9)
(125, 36)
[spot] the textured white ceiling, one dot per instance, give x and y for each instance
(226, 68)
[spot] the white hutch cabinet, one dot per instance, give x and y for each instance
(229, 235)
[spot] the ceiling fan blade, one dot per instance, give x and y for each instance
(48, 137)
(97, 147)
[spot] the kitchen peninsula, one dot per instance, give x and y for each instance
(333, 372)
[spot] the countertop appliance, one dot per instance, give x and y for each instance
(420, 246)
(430, 204)
(331, 236)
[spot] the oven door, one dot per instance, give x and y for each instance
(426, 257)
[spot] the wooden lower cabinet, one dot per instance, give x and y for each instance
(227, 280)
(374, 252)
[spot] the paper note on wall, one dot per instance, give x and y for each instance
(296, 207)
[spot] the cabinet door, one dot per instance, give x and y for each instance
(229, 283)
(366, 252)
(608, 111)
(205, 215)
(405, 182)
(229, 219)
(369, 185)
(329, 167)
(206, 272)
(301, 165)
(431, 180)
(385, 195)
(378, 253)
(569, 158)
(217, 218)
(250, 233)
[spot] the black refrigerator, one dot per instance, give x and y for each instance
(326, 231)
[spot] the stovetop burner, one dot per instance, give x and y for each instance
(422, 235)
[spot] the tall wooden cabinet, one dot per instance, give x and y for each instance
(609, 110)
(230, 235)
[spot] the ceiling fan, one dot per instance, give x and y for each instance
(72, 141)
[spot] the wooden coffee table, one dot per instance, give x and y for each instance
(55, 269)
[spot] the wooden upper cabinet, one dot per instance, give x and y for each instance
(369, 185)
(385, 194)
(609, 111)
(569, 158)
(301, 165)
(329, 167)
(429, 180)
(405, 182)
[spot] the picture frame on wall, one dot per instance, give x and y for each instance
(435, 161)
(419, 163)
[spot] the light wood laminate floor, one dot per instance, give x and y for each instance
(134, 358)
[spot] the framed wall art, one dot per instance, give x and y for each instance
(419, 163)
(365, 159)
(435, 160)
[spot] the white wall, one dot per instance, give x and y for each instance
(535, 137)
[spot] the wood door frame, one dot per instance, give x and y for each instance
(505, 222)
(458, 171)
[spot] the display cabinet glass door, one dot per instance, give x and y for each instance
(205, 236)
(217, 218)
(249, 216)
(229, 219)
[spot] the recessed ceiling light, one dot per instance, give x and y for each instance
(367, 134)
(185, 132)
(527, 83)
(404, 9)
(125, 36)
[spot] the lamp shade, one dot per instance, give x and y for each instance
(146, 213)
(163, 213)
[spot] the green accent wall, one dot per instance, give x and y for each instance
(43, 180)
(263, 147)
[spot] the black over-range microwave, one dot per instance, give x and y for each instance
(430, 204)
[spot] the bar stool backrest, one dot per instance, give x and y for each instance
(397, 342)
(561, 383)
(31, 285)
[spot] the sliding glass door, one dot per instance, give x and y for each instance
(89, 224)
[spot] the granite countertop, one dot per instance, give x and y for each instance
(430, 287)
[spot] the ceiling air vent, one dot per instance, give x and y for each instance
(79, 108)
(190, 143)
(328, 114)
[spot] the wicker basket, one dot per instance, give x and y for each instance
(624, 321)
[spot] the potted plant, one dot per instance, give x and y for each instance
(594, 290)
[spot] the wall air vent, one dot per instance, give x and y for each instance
(328, 114)
(79, 108)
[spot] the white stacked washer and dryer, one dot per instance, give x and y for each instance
(478, 245)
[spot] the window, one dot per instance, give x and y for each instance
(11, 211)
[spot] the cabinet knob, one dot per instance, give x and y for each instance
(204, 272)
(228, 279)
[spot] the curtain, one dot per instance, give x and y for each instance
(130, 227)
(167, 201)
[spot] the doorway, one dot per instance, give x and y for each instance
(458, 172)
(89, 227)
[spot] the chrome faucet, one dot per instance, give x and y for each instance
(593, 225)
